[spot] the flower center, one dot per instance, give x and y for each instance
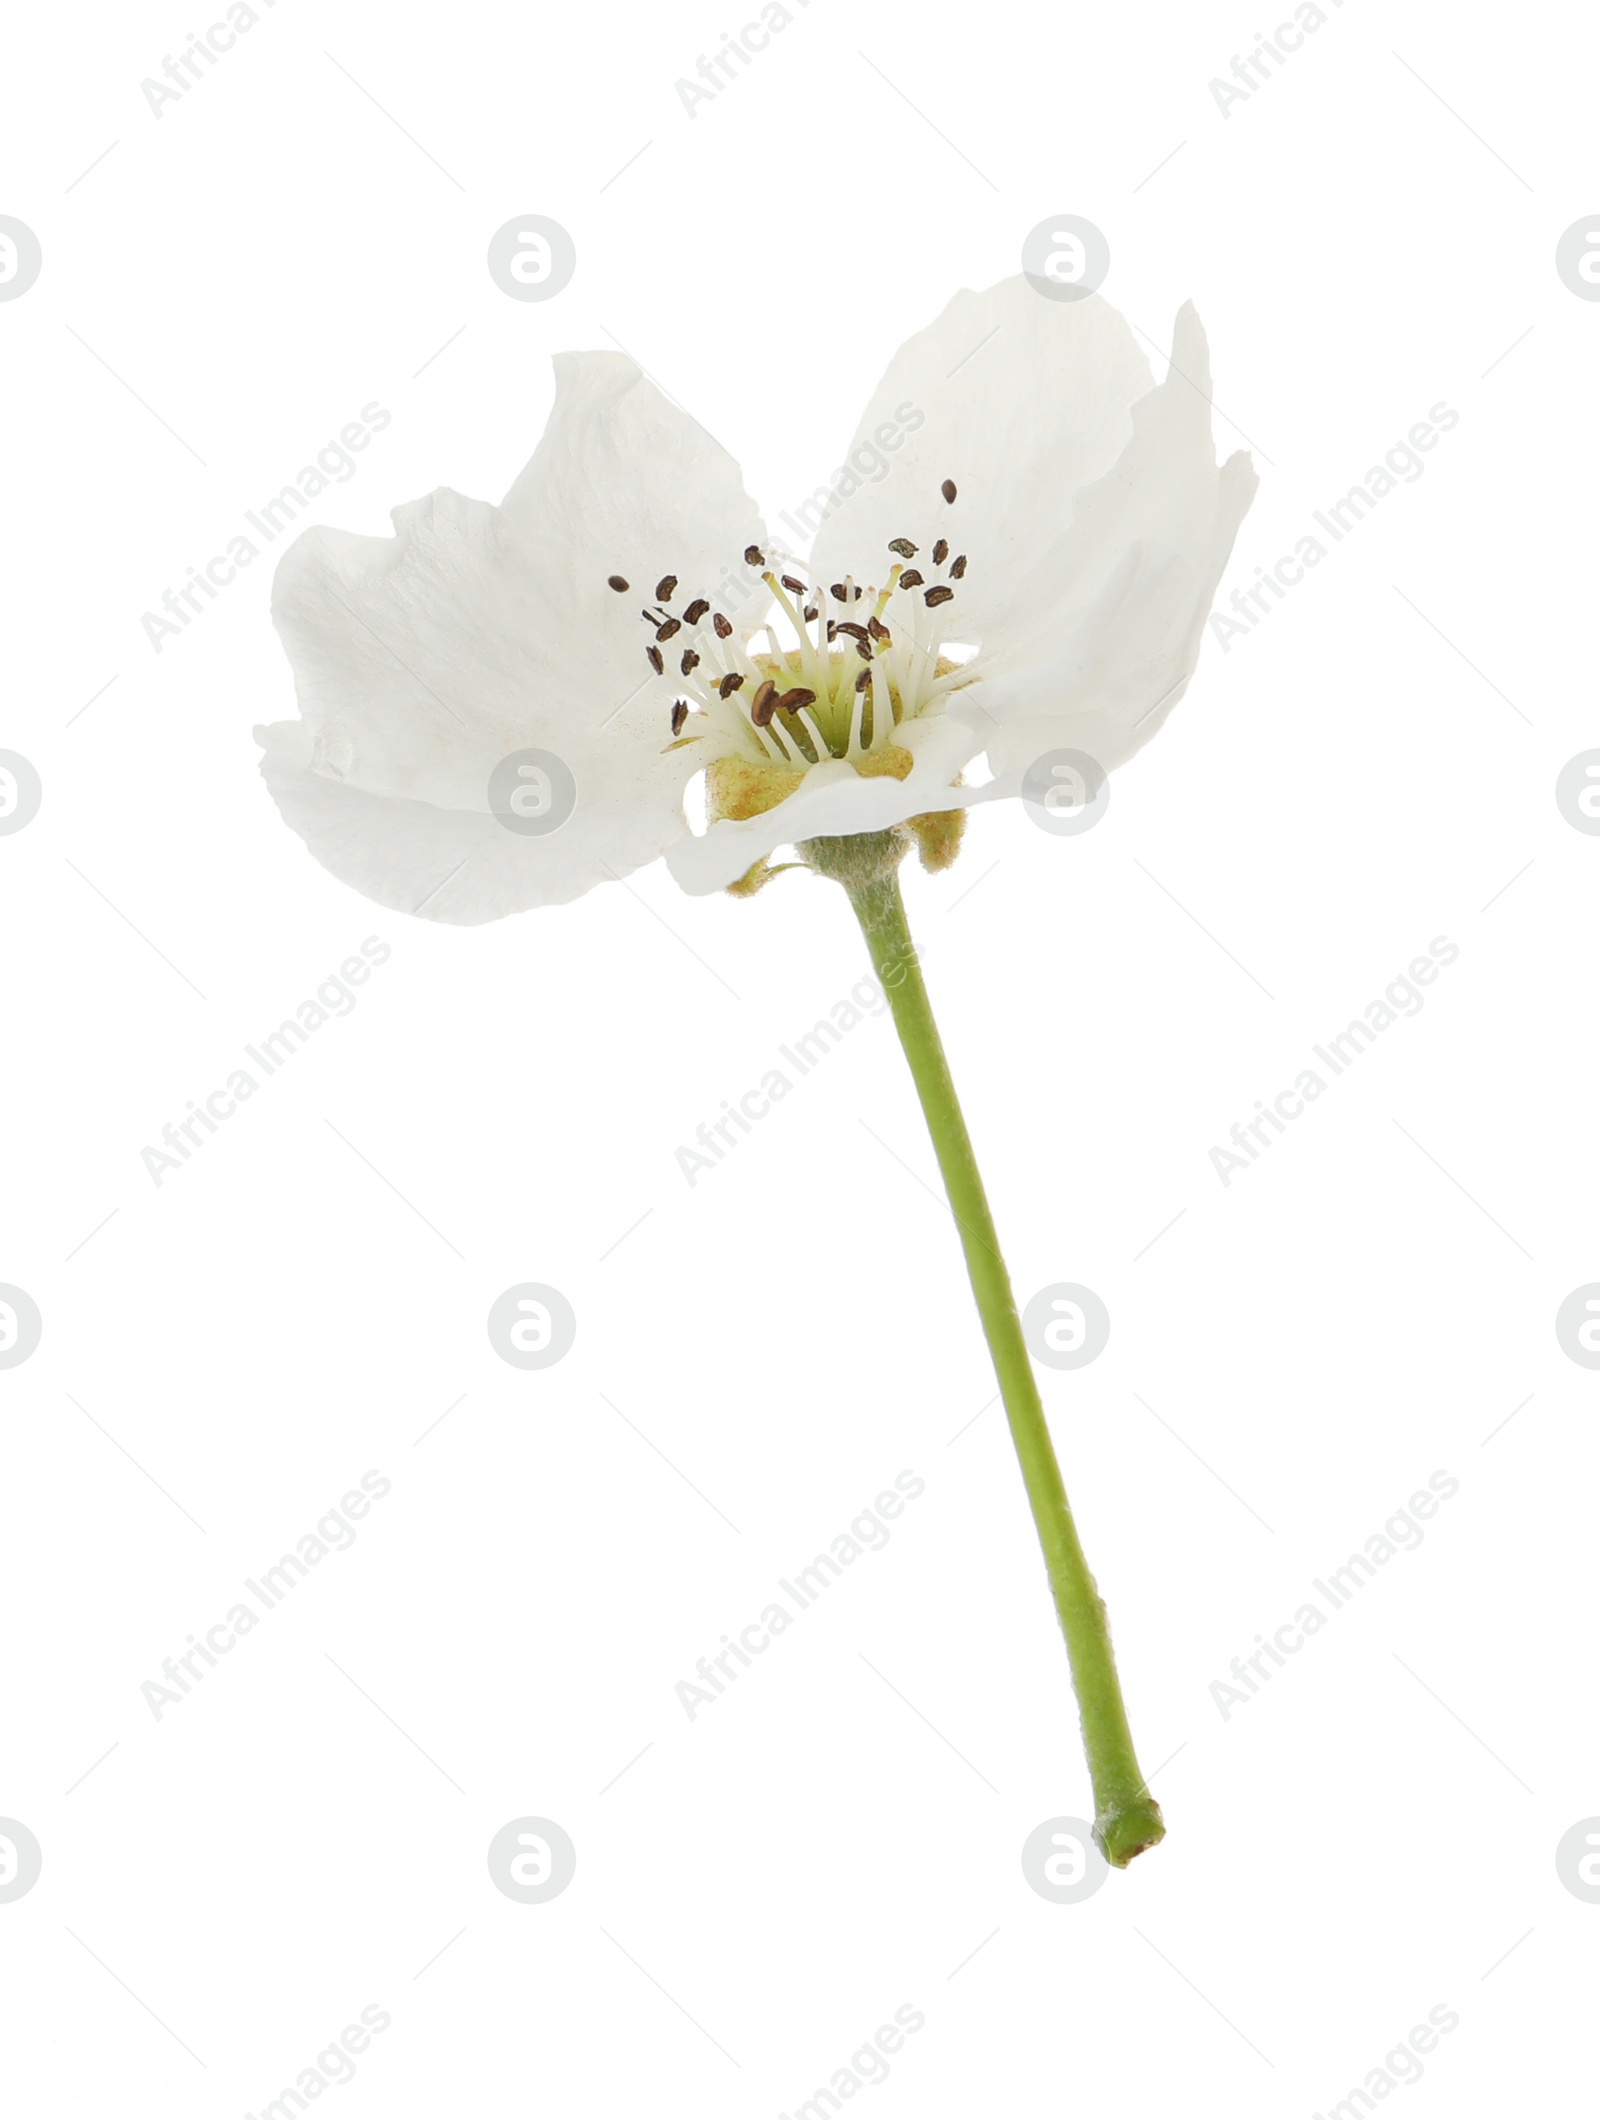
(862, 659)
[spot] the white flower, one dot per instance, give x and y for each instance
(1031, 574)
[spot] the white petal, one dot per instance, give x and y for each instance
(461, 866)
(834, 799)
(1020, 400)
(424, 660)
(1141, 555)
(626, 482)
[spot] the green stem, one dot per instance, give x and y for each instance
(1128, 1818)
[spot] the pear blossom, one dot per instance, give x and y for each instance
(1031, 575)
(503, 706)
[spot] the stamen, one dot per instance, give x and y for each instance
(882, 708)
(820, 747)
(615, 581)
(810, 655)
(948, 489)
(666, 631)
(806, 701)
(858, 717)
(665, 587)
(680, 714)
(654, 654)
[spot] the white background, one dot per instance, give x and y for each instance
(1371, 1835)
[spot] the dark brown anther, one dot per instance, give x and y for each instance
(863, 679)
(665, 587)
(958, 567)
(696, 611)
(940, 595)
(904, 546)
(754, 556)
(809, 614)
(849, 626)
(724, 626)
(762, 705)
(789, 582)
(877, 628)
(911, 579)
(666, 631)
(941, 552)
(799, 697)
(654, 654)
(731, 683)
(864, 650)
(615, 581)
(691, 661)
(837, 593)
(680, 714)
(948, 489)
